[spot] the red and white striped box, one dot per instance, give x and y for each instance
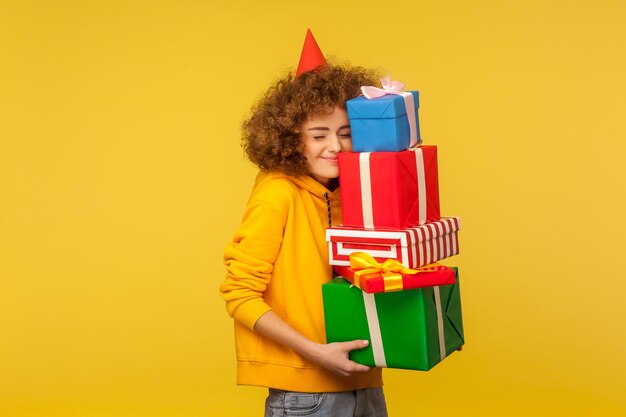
(414, 247)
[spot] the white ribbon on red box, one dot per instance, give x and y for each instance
(366, 187)
(421, 184)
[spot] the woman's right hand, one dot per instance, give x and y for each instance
(332, 356)
(335, 357)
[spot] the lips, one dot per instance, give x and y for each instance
(332, 160)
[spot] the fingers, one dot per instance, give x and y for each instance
(357, 367)
(355, 344)
(351, 367)
(335, 357)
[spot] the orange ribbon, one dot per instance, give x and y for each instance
(365, 266)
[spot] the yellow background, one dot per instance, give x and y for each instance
(122, 178)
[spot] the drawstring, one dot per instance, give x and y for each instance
(328, 205)
(334, 274)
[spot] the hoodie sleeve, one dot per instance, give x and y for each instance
(249, 261)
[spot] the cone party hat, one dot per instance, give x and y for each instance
(311, 56)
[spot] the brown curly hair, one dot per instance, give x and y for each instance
(271, 136)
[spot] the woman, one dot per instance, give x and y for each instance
(278, 259)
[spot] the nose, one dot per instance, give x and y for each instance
(334, 144)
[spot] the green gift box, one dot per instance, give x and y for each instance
(411, 329)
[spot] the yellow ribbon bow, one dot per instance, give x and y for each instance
(365, 266)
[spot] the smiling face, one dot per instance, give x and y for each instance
(324, 136)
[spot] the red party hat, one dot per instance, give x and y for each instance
(311, 56)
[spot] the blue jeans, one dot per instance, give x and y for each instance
(368, 402)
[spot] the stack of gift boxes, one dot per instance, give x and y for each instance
(390, 290)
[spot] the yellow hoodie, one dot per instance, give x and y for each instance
(278, 260)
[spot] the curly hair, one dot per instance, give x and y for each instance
(271, 136)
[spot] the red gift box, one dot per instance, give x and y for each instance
(394, 190)
(428, 276)
(413, 247)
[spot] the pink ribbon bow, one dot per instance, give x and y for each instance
(395, 87)
(389, 87)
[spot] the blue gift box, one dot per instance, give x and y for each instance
(381, 124)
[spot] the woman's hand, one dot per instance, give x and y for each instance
(333, 356)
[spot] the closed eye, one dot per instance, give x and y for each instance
(345, 133)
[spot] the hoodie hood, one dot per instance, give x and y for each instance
(303, 181)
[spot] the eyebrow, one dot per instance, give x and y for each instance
(326, 128)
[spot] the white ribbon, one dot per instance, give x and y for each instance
(395, 87)
(366, 190)
(374, 327)
(421, 183)
(442, 337)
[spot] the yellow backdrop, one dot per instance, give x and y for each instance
(122, 178)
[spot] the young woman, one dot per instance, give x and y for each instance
(278, 259)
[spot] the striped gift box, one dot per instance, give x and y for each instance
(414, 247)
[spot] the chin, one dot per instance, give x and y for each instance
(333, 174)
